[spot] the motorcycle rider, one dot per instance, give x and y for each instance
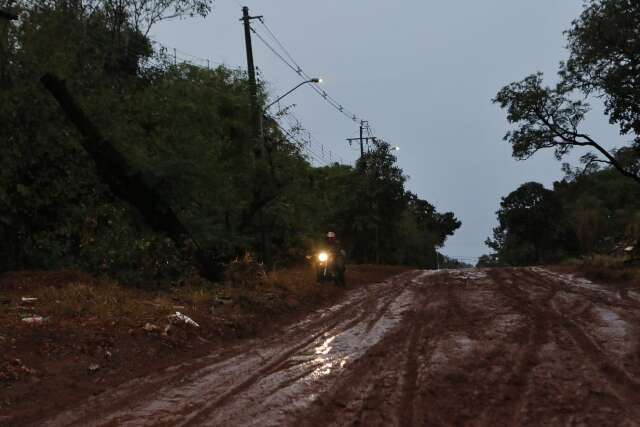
(333, 244)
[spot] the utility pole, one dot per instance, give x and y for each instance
(362, 138)
(361, 144)
(257, 133)
(256, 114)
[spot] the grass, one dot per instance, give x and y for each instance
(610, 269)
(82, 302)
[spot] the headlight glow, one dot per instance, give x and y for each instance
(323, 256)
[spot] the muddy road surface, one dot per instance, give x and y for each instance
(474, 347)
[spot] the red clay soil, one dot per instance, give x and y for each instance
(473, 347)
(93, 339)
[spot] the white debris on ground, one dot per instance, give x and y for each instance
(34, 319)
(181, 318)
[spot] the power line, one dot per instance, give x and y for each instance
(274, 51)
(295, 67)
(184, 56)
(306, 146)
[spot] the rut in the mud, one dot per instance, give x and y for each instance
(494, 347)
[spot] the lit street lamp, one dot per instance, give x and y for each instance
(314, 80)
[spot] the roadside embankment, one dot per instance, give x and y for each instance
(66, 335)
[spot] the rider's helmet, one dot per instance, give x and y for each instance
(331, 237)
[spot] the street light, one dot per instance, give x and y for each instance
(314, 80)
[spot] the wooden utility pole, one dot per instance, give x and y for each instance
(257, 134)
(362, 138)
(116, 172)
(256, 114)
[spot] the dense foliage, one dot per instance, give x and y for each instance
(596, 208)
(604, 53)
(186, 131)
(584, 214)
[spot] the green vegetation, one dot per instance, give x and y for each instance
(584, 215)
(186, 132)
(596, 208)
(603, 62)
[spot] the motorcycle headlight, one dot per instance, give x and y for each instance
(323, 256)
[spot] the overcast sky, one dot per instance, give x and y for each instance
(422, 72)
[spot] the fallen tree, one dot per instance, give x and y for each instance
(125, 183)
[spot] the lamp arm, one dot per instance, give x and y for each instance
(278, 100)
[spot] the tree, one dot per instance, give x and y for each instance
(182, 131)
(487, 261)
(604, 60)
(589, 226)
(531, 226)
(604, 45)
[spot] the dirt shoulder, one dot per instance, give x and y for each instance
(607, 271)
(496, 347)
(86, 335)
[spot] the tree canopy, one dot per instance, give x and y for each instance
(588, 213)
(604, 53)
(530, 226)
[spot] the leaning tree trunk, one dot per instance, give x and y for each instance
(114, 169)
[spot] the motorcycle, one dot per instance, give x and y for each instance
(329, 268)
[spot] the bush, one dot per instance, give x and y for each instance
(610, 269)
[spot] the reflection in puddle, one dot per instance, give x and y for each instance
(326, 363)
(324, 348)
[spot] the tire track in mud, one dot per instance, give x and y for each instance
(377, 302)
(410, 378)
(606, 295)
(607, 373)
(480, 348)
(372, 391)
(435, 319)
(443, 370)
(625, 388)
(513, 392)
(137, 392)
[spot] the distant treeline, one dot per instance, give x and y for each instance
(583, 215)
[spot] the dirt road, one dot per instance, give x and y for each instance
(474, 347)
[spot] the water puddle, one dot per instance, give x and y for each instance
(613, 332)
